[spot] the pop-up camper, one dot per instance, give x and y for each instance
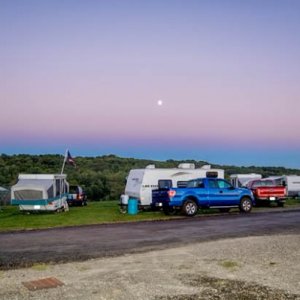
(141, 182)
(40, 192)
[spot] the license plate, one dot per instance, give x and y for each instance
(272, 198)
(36, 207)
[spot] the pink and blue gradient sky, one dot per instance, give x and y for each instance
(87, 75)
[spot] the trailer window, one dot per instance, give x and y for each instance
(211, 174)
(182, 184)
(28, 195)
(164, 184)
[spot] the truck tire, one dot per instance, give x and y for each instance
(246, 205)
(190, 208)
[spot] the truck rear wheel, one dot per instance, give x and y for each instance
(190, 208)
(246, 205)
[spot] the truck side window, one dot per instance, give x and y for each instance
(192, 183)
(200, 184)
(223, 184)
(213, 184)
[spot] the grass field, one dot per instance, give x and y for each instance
(95, 213)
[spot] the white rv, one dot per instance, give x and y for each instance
(240, 180)
(292, 183)
(141, 182)
(40, 192)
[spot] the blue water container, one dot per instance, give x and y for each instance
(132, 206)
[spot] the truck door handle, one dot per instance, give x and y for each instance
(221, 192)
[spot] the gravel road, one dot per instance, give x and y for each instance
(265, 267)
(79, 243)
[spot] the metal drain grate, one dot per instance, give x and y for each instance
(46, 283)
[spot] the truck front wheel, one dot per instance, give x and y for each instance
(189, 208)
(246, 205)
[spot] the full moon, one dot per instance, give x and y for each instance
(159, 103)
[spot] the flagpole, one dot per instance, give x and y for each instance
(65, 158)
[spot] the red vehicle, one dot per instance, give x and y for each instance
(76, 196)
(266, 191)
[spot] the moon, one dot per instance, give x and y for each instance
(159, 102)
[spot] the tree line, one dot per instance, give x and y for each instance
(104, 177)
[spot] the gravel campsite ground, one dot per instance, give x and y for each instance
(266, 267)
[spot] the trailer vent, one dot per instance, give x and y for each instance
(186, 166)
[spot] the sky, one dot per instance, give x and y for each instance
(87, 75)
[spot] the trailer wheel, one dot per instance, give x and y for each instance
(190, 208)
(246, 205)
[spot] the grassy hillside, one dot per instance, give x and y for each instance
(104, 176)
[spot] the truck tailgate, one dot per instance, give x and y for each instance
(276, 191)
(160, 196)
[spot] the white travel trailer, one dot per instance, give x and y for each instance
(292, 183)
(41, 192)
(141, 182)
(240, 180)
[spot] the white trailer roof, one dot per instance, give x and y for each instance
(33, 183)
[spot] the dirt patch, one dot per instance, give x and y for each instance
(225, 289)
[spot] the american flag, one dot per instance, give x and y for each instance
(70, 160)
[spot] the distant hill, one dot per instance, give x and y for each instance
(103, 177)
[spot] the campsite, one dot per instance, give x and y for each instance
(92, 243)
(106, 207)
(149, 150)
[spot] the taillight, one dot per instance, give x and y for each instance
(171, 193)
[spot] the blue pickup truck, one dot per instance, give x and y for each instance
(203, 193)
